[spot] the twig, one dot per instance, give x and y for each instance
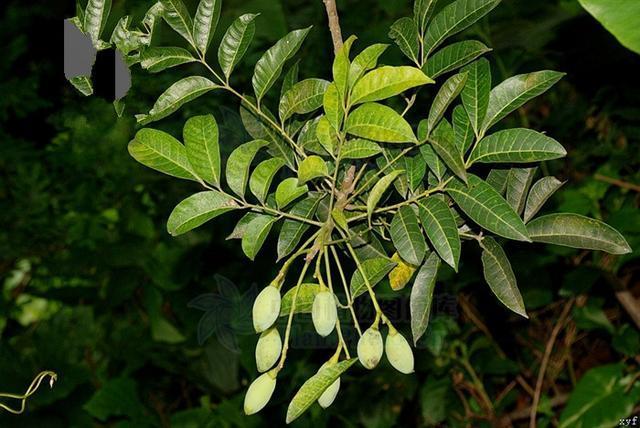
(506, 420)
(630, 304)
(545, 361)
(334, 24)
(616, 182)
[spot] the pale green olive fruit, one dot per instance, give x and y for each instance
(370, 348)
(329, 394)
(259, 393)
(324, 313)
(399, 352)
(266, 308)
(268, 349)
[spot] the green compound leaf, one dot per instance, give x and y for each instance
(198, 209)
(407, 236)
(500, 277)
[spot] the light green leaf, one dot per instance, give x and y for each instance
(290, 78)
(175, 13)
(443, 99)
(176, 96)
(237, 171)
(365, 61)
(341, 65)
(333, 109)
(288, 191)
(198, 209)
(386, 82)
(514, 92)
(375, 269)
(200, 135)
(304, 300)
(378, 190)
(405, 34)
(422, 296)
(475, 94)
(160, 151)
(619, 17)
(518, 145)
(440, 226)
(235, 42)
(454, 18)
(407, 236)
(432, 160)
(205, 23)
(518, 183)
(326, 135)
(378, 122)
(454, 56)
(310, 168)
(499, 275)
(82, 84)
(359, 149)
(269, 66)
(255, 234)
(462, 130)
(422, 10)
(313, 388)
(262, 176)
(540, 192)
(161, 58)
(241, 226)
(442, 142)
(484, 205)
(292, 230)
(303, 97)
(576, 231)
(95, 17)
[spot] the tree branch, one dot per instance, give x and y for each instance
(334, 24)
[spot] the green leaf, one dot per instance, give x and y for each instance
(518, 183)
(288, 191)
(378, 190)
(198, 209)
(432, 160)
(95, 17)
(378, 122)
(540, 192)
(499, 275)
(313, 388)
(443, 99)
(407, 236)
(619, 18)
(326, 135)
(475, 94)
(405, 34)
(160, 151)
(365, 61)
(600, 399)
(422, 296)
(205, 23)
(237, 171)
(386, 82)
(416, 168)
(304, 97)
(304, 301)
(310, 168)
(340, 69)
(200, 135)
(116, 397)
(255, 234)
(576, 231)
(375, 269)
(333, 109)
(515, 92)
(235, 42)
(462, 130)
(241, 226)
(175, 13)
(293, 230)
(359, 149)
(484, 205)
(269, 66)
(497, 178)
(422, 10)
(158, 59)
(262, 176)
(176, 96)
(290, 78)
(440, 226)
(518, 145)
(453, 57)
(454, 18)
(82, 84)
(442, 142)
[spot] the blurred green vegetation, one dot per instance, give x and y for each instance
(96, 290)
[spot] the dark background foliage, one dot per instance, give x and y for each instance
(96, 290)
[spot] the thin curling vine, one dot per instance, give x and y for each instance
(33, 387)
(340, 175)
